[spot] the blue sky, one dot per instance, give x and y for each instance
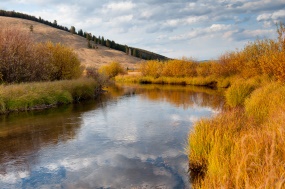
(201, 29)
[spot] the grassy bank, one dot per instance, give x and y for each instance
(21, 97)
(210, 81)
(243, 147)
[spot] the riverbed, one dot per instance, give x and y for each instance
(131, 137)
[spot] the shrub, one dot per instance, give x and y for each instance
(112, 70)
(151, 68)
(65, 63)
(22, 60)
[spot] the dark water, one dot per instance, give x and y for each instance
(132, 137)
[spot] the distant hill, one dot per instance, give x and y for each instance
(88, 57)
(44, 30)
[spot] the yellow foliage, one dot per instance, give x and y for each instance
(151, 68)
(23, 60)
(65, 62)
(112, 70)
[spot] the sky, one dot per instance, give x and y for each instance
(199, 29)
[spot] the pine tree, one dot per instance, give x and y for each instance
(127, 49)
(99, 40)
(103, 41)
(108, 43)
(72, 30)
(80, 32)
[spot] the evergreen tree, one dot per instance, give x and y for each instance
(72, 30)
(127, 49)
(108, 43)
(55, 22)
(88, 36)
(113, 45)
(80, 32)
(134, 52)
(103, 41)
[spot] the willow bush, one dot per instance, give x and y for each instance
(23, 60)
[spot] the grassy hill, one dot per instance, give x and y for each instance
(88, 57)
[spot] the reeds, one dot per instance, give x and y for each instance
(242, 147)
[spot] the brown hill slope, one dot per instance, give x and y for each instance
(88, 57)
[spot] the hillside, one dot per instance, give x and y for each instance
(88, 57)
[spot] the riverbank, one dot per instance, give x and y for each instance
(211, 82)
(243, 147)
(41, 95)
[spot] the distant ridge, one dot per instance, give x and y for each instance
(133, 51)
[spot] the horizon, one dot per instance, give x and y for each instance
(199, 29)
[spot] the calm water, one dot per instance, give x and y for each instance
(133, 137)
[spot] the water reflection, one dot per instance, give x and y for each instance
(134, 139)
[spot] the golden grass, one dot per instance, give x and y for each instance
(196, 81)
(242, 147)
(238, 92)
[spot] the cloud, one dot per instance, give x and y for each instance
(126, 21)
(120, 6)
(270, 19)
(248, 35)
(214, 29)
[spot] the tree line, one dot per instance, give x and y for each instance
(139, 53)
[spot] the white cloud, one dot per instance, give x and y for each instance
(214, 29)
(125, 20)
(120, 6)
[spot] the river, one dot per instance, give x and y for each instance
(131, 137)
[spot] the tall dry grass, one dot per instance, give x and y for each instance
(233, 151)
(243, 147)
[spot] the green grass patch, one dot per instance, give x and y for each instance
(20, 97)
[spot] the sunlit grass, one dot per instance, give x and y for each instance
(242, 147)
(19, 97)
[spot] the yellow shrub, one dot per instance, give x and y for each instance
(151, 68)
(112, 70)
